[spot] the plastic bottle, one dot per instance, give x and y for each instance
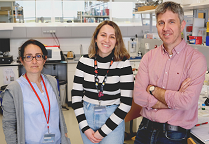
(207, 39)
(207, 34)
(133, 46)
(203, 106)
(139, 54)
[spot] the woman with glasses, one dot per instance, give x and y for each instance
(32, 112)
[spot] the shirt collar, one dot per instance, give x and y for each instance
(176, 49)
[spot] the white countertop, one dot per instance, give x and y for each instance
(202, 131)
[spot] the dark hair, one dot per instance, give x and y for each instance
(34, 42)
(119, 51)
(172, 6)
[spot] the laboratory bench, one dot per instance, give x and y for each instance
(200, 133)
(64, 71)
(10, 72)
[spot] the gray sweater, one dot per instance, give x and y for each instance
(13, 113)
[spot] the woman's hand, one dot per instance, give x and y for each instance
(97, 135)
(66, 134)
(90, 135)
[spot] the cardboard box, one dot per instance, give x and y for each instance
(5, 12)
(195, 40)
(5, 8)
(143, 8)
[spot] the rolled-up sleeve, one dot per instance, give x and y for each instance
(9, 120)
(185, 100)
(141, 96)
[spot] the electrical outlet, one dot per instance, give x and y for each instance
(46, 32)
(49, 32)
(52, 31)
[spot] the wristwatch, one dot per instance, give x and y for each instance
(151, 89)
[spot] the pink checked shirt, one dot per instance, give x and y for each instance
(157, 68)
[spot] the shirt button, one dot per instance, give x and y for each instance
(168, 59)
(155, 109)
(166, 72)
(169, 107)
(163, 87)
(178, 52)
(153, 120)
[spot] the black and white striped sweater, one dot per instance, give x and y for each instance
(117, 90)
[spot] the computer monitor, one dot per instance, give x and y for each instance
(4, 45)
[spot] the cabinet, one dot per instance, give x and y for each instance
(71, 67)
(6, 12)
(10, 12)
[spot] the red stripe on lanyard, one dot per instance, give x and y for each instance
(40, 99)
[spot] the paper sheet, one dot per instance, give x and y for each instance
(8, 75)
(202, 131)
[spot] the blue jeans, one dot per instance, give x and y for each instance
(149, 136)
(95, 121)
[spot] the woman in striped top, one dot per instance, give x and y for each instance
(102, 88)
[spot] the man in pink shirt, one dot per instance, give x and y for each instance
(168, 82)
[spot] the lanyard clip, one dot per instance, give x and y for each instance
(48, 127)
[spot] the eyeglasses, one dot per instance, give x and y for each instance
(29, 57)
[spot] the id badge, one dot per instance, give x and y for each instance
(100, 110)
(49, 138)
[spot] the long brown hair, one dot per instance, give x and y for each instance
(120, 51)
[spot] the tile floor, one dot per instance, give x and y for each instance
(73, 130)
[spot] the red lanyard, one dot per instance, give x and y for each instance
(40, 99)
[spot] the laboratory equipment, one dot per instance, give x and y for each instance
(54, 53)
(133, 48)
(5, 58)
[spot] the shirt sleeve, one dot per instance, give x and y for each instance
(187, 99)
(77, 98)
(9, 121)
(141, 96)
(126, 89)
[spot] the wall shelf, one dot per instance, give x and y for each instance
(7, 13)
(145, 12)
(203, 5)
(95, 16)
